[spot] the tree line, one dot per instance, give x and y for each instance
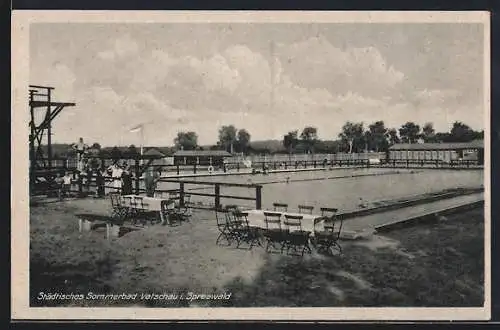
(354, 138)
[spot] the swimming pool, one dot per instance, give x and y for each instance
(341, 188)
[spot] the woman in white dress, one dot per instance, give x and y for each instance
(116, 175)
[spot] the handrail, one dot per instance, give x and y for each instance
(211, 183)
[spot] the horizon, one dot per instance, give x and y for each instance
(266, 78)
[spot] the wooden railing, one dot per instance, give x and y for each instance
(216, 195)
(81, 181)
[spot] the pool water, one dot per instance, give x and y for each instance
(345, 189)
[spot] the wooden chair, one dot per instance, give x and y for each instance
(306, 209)
(167, 210)
(223, 226)
(280, 207)
(131, 205)
(245, 233)
(184, 212)
(295, 237)
(328, 239)
(119, 210)
(274, 232)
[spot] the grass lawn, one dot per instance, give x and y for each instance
(439, 264)
(435, 265)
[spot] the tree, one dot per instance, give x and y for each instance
(243, 140)
(115, 153)
(392, 136)
(409, 132)
(227, 137)
(132, 151)
(96, 146)
(376, 139)
(461, 132)
(428, 133)
(309, 137)
(327, 147)
(186, 140)
(290, 141)
(352, 137)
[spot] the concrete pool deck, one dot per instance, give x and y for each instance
(392, 218)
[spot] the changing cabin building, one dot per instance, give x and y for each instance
(444, 152)
(201, 157)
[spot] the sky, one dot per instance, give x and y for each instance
(266, 78)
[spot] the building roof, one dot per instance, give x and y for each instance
(476, 144)
(202, 153)
(153, 152)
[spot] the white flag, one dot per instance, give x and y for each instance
(136, 129)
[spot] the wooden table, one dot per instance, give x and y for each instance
(256, 218)
(153, 204)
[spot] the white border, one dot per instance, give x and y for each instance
(21, 21)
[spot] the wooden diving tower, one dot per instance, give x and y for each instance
(42, 105)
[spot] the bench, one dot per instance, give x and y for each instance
(88, 222)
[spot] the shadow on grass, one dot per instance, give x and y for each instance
(436, 265)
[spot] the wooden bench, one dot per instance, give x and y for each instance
(88, 222)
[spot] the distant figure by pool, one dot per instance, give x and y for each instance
(287, 179)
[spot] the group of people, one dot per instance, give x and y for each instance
(123, 177)
(121, 174)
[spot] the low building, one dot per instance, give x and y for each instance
(445, 152)
(201, 157)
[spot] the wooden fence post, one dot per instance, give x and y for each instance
(217, 196)
(137, 177)
(258, 197)
(177, 167)
(194, 168)
(80, 185)
(181, 194)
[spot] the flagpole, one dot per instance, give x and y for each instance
(142, 143)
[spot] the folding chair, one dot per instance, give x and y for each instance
(295, 237)
(306, 209)
(119, 211)
(167, 210)
(245, 233)
(328, 238)
(184, 211)
(223, 226)
(280, 207)
(131, 206)
(274, 232)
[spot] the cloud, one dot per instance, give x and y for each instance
(57, 75)
(306, 83)
(315, 62)
(121, 47)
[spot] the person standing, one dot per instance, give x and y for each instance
(151, 178)
(116, 176)
(59, 185)
(126, 180)
(99, 181)
(149, 182)
(81, 149)
(66, 187)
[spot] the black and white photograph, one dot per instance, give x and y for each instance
(261, 164)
